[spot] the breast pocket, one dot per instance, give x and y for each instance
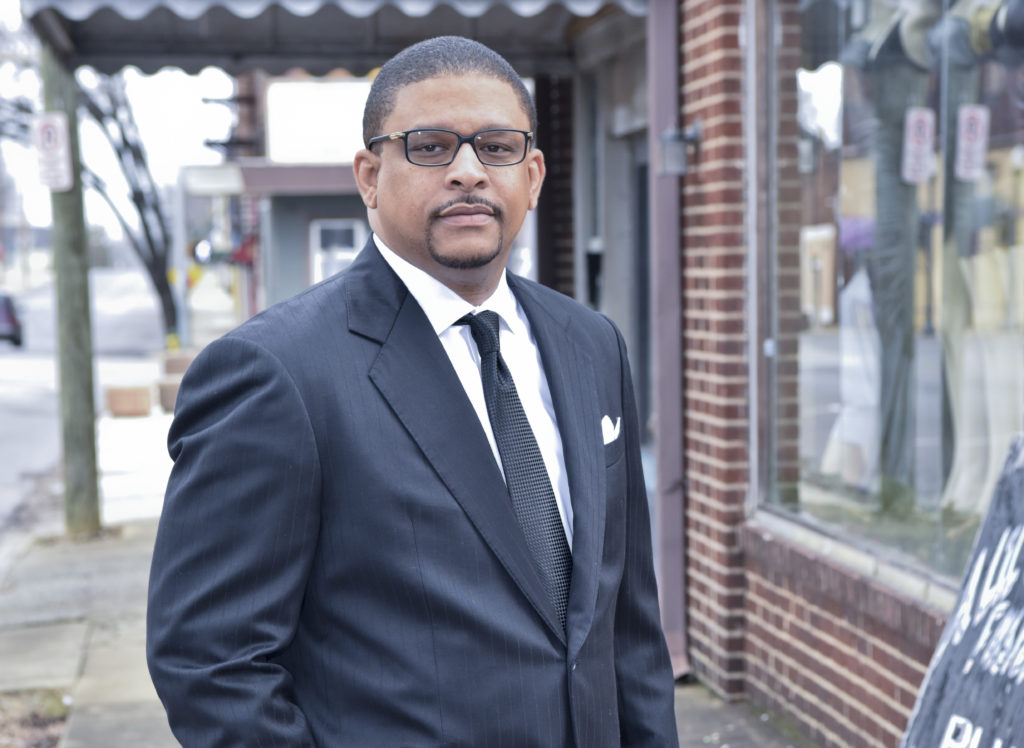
(614, 440)
(615, 468)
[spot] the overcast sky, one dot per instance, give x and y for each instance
(172, 118)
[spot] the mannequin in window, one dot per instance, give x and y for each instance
(891, 50)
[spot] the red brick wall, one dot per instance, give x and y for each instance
(555, 248)
(839, 654)
(714, 341)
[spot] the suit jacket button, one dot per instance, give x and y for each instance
(574, 666)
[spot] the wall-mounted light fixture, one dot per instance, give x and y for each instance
(675, 148)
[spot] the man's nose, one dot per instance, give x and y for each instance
(466, 171)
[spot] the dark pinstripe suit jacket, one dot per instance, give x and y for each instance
(338, 563)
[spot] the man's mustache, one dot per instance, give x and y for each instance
(468, 200)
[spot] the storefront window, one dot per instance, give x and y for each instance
(899, 289)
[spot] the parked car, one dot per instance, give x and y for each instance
(10, 324)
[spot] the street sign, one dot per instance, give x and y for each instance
(52, 144)
(918, 145)
(971, 142)
(973, 692)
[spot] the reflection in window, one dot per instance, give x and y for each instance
(910, 283)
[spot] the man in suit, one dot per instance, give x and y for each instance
(353, 550)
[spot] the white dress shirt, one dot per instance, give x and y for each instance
(444, 308)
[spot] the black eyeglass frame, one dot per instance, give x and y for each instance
(403, 135)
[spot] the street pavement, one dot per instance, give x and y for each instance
(72, 613)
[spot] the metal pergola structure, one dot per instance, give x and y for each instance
(317, 35)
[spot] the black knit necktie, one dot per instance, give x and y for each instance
(529, 487)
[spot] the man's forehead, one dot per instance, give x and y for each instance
(493, 92)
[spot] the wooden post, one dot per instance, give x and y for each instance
(74, 331)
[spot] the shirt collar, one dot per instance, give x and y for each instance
(442, 305)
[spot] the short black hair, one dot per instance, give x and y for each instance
(439, 57)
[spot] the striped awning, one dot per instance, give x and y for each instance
(316, 35)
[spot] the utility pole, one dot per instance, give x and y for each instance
(74, 330)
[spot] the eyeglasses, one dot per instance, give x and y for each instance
(433, 147)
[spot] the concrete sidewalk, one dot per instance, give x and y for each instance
(72, 614)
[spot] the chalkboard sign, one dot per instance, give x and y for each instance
(973, 693)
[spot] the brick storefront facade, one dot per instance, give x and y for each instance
(838, 653)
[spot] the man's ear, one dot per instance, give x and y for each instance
(536, 171)
(366, 167)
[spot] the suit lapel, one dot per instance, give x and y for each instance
(570, 375)
(414, 375)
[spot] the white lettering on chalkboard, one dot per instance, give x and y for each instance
(961, 733)
(999, 649)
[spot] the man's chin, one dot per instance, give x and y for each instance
(465, 261)
(465, 257)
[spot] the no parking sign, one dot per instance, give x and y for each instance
(918, 145)
(971, 142)
(50, 138)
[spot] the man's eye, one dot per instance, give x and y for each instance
(496, 148)
(428, 147)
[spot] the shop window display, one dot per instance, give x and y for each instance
(910, 356)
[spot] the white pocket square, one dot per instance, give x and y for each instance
(609, 430)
